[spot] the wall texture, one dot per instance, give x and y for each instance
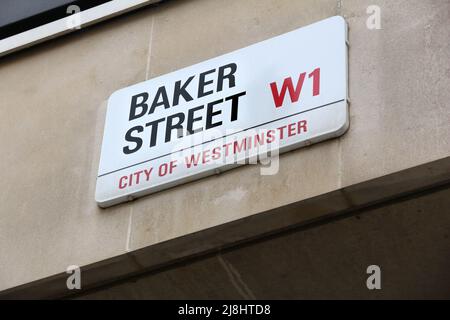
(409, 240)
(53, 100)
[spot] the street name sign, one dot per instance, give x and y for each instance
(271, 97)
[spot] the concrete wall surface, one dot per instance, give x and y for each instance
(408, 240)
(53, 102)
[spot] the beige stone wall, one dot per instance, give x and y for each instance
(52, 107)
(409, 240)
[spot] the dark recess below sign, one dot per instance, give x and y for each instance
(17, 16)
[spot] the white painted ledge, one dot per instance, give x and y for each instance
(62, 26)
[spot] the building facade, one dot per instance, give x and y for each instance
(376, 196)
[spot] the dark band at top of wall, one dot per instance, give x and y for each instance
(17, 16)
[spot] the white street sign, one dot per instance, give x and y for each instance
(279, 94)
